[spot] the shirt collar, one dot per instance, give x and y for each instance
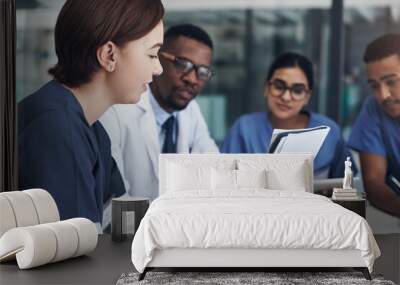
(159, 113)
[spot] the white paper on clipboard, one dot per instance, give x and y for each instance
(299, 140)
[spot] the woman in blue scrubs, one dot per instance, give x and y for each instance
(107, 53)
(287, 90)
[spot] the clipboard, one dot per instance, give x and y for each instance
(298, 140)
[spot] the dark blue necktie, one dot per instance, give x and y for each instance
(168, 127)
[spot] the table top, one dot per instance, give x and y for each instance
(130, 199)
(102, 266)
(358, 199)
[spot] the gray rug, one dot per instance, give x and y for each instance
(225, 278)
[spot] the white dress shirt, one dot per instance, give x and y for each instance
(136, 141)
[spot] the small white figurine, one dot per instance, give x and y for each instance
(348, 175)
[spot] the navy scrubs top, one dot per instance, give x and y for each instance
(377, 133)
(61, 153)
(252, 133)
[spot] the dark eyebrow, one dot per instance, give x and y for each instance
(296, 83)
(388, 76)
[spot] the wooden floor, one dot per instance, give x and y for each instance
(106, 264)
(389, 262)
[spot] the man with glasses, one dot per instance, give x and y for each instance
(167, 119)
(376, 132)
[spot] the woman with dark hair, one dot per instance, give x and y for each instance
(287, 90)
(107, 52)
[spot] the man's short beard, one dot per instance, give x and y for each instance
(390, 102)
(174, 105)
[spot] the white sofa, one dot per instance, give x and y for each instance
(31, 231)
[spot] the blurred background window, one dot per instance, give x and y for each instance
(247, 35)
(364, 21)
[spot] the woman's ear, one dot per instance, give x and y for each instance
(107, 56)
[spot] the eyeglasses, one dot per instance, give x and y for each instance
(298, 91)
(185, 66)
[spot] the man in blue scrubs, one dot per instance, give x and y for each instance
(376, 133)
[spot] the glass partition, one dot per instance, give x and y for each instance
(247, 35)
(363, 23)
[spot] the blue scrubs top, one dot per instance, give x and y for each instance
(61, 153)
(377, 133)
(251, 133)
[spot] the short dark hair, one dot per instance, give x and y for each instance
(85, 25)
(190, 31)
(291, 59)
(382, 47)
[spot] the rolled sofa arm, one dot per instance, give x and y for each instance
(40, 244)
(31, 231)
(26, 208)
